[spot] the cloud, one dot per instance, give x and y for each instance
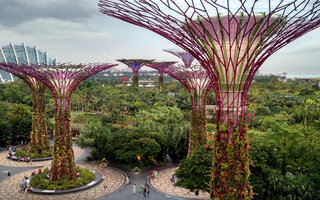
(15, 12)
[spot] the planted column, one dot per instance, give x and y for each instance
(197, 83)
(21, 54)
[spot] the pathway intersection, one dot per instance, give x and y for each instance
(115, 179)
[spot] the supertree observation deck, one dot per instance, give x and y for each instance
(135, 65)
(21, 54)
(61, 81)
(196, 81)
(231, 39)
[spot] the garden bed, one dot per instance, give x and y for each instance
(41, 184)
(24, 152)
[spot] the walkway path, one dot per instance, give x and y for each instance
(117, 190)
(138, 179)
(162, 183)
(8, 162)
(9, 186)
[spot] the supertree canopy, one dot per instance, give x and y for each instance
(61, 81)
(231, 39)
(196, 81)
(186, 57)
(135, 65)
(21, 54)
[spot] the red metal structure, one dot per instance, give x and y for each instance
(61, 80)
(231, 39)
(198, 84)
(135, 65)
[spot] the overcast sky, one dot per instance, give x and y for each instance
(75, 31)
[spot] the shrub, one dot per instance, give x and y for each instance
(24, 152)
(39, 180)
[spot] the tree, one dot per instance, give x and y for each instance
(194, 171)
(19, 118)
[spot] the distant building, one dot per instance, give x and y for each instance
(21, 54)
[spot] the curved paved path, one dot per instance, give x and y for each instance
(78, 152)
(9, 188)
(163, 184)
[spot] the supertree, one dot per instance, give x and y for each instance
(135, 65)
(186, 57)
(161, 84)
(61, 80)
(231, 39)
(21, 54)
(198, 84)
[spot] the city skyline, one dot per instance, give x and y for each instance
(75, 31)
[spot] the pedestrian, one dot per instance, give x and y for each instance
(28, 160)
(103, 175)
(9, 173)
(101, 167)
(105, 189)
(127, 180)
(144, 192)
(172, 179)
(134, 189)
(148, 193)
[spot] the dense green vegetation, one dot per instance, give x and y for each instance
(42, 180)
(140, 127)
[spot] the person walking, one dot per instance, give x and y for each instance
(134, 189)
(105, 189)
(144, 192)
(127, 180)
(9, 173)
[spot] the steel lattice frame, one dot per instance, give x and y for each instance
(198, 84)
(135, 65)
(231, 39)
(39, 136)
(61, 80)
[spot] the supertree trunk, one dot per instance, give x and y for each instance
(230, 175)
(198, 125)
(135, 78)
(39, 135)
(198, 85)
(161, 84)
(63, 156)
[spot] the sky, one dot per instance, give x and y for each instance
(74, 31)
